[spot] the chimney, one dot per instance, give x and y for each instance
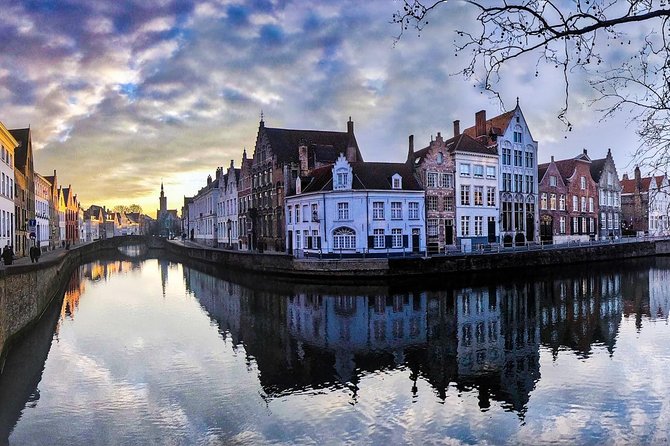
(350, 126)
(410, 150)
(457, 127)
(352, 152)
(480, 123)
(552, 158)
(439, 137)
(638, 175)
(586, 152)
(625, 176)
(209, 180)
(303, 158)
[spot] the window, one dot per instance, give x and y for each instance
(396, 238)
(343, 211)
(396, 210)
(490, 172)
(583, 202)
(397, 182)
(479, 225)
(517, 158)
(465, 195)
(289, 215)
(440, 158)
(479, 195)
(315, 212)
(507, 157)
(552, 180)
(517, 137)
(465, 225)
(590, 204)
(543, 201)
(465, 170)
(584, 226)
(575, 207)
(297, 213)
(431, 225)
(307, 243)
(530, 159)
(507, 216)
(432, 179)
(507, 182)
(518, 183)
(582, 183)
(298, 240)
(610, 181)
(431, 202)
(413, 210)
(478, 171)
(552, 202)
(344, 238)
(603, 200)
(448, 204)
(342, 179)
(377, 210)
(305, 213)
(591, 226)
(562, 225)
(446, 180)
(616, 221)
(609, 221)
(561, 203)
(530, 184)
(378, 240)
(575, 226)
(316, 241)
(518, 217)
(490, 196)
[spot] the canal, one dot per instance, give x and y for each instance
(153, 351)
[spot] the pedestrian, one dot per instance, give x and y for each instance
(38, 253)
(7, 255)
(32, 254)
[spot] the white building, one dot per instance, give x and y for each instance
(517, 173)
(204, 204)
(7, 146)
(42, 210)
(645, 202)
(94, 221)
(476, 178)
(359, 208)
(227, 208)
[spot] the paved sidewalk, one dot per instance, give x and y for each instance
(49, 255)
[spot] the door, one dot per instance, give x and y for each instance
(290, 242)
(416, 240)
(530, 228)
(492, 231)
(547, 229)
(448, 232)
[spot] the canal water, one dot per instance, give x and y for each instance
(149, 351)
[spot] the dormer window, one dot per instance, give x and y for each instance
(342, 179)
(396, 181)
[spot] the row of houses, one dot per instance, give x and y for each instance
(311, 192)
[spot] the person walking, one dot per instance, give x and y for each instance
(32, 254)
(7, 255)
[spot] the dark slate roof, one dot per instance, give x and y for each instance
(285, 142)
(541, 170)
(367, 175)
(21, 136)
(66, 194)
(465, 143)
(597, 167)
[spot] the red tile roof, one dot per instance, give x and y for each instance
(497, 125)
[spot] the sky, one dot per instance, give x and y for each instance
(123, 95)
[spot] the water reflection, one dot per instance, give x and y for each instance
(498, 348)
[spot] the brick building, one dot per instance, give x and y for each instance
(24, 199)
(645, 204)
(605, 174)
(434, 167)
(554, 215)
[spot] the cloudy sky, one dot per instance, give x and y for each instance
(123, 94)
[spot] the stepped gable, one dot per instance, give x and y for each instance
(285, 142)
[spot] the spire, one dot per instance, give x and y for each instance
(262, 123)
(517, 101)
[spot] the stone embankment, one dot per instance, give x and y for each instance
(402, 267)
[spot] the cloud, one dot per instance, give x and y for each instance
(122, 94)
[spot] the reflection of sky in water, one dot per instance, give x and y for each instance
(165, 354)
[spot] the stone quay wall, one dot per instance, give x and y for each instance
(399, 267)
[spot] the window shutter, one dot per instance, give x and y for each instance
(371, 241)
(405, 241)
(389, 241)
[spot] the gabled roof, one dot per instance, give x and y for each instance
(496, 125)
(465, 143)
(66, 195)
(22, 136)
(285, 142)
(628, 186)
(597, 167)
(541, 171)
(367, 175)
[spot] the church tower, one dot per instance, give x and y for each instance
(162, 209)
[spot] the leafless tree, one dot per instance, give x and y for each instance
(622, 45)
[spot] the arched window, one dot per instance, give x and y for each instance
(344, 238)
(440, 158)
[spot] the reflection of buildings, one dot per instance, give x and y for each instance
(659, 294)
(73, 292)
(579, 312)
